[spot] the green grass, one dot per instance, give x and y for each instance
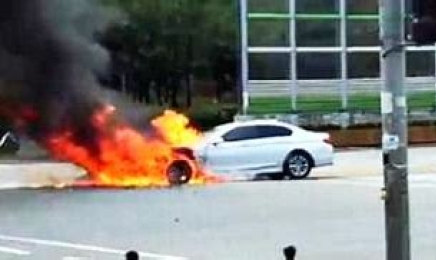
(326, 103)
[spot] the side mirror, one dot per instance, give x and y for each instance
(217, 141)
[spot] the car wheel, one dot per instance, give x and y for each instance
(179, 173)
(297, 165)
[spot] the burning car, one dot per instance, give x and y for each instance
(128, 158)
(256, 147)
(52, 95)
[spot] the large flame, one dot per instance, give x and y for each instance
(127, 157)
(175, 130)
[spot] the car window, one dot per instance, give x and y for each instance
(266, 131)
(241, 133)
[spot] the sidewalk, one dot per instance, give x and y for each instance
(37, 174)
(368, 162)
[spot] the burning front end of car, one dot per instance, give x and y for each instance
(128, 158)
(50, 91)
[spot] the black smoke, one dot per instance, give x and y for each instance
(49, 61)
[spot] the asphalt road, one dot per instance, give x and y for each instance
(326, 219)
(337, 216)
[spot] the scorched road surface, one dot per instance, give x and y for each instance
(332, 218)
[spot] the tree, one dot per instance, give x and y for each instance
(161, 45)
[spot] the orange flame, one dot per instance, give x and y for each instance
(127, 157)
(174, 129)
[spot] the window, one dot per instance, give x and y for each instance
(262, 6)
(273, 131)
(253, 132)
(268, 33)
(318, 65)
(317, 33)
(363, 65)
(420, 63)
(362, 33)
(362, 6)
(317, 6)
(269, 66)
(241, 133)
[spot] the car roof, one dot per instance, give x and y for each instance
(255, 122)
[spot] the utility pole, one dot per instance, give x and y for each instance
(394, 126)
(243, 23)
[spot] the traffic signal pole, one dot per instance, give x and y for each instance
(394, 129)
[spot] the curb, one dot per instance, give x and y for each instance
(37, 175)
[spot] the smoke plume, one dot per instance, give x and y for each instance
(49, 60)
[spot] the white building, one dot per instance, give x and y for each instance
(327, 52)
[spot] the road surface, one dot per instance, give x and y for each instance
(334, 217)
(325, 219)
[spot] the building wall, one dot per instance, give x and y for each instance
(334, 40)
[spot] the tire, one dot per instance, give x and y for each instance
(297, 165)
(179, 173)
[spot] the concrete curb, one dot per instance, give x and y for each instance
(38, 174)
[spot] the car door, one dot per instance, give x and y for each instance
(274, 143)
(234, 152)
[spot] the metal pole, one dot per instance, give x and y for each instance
(394, 127)
(293, 56)
(344, 62)
(244, 54)
(434, 82)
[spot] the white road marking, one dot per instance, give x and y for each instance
(83, 247)
(13, 251)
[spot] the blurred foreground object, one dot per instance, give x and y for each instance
(290, 252)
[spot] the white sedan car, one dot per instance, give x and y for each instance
(258, 147)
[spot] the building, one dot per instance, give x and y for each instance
(311, 55)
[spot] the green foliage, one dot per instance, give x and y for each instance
(207, 115)
(157, 27)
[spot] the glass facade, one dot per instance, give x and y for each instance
(420, 63)
(277, 37)
(332, 43)
(362, 33)
(312, 65)
(317, 33)
(316, 6)
(363, 65)
(269, 66)
(265, 6)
